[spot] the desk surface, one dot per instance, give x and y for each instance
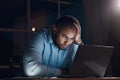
(53, 78)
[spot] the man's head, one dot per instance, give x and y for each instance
(65, 31)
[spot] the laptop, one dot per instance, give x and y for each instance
(91, 61)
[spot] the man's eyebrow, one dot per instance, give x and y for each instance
(67, 36)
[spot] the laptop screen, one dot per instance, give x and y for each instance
(91, 61)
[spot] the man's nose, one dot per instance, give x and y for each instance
(67, 41)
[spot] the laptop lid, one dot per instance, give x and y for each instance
(91, 61)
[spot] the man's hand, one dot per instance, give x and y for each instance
(78, 35)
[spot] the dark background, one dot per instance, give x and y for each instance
(100, 21)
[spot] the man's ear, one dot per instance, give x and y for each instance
(55, 29)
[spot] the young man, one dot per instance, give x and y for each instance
(51, 52)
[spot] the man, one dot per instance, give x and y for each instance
(51, 52)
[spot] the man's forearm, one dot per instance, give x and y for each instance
(36, 69)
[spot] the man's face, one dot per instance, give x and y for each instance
(64, 37)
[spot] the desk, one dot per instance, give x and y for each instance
(52, 78)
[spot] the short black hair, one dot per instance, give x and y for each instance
(65, 21)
